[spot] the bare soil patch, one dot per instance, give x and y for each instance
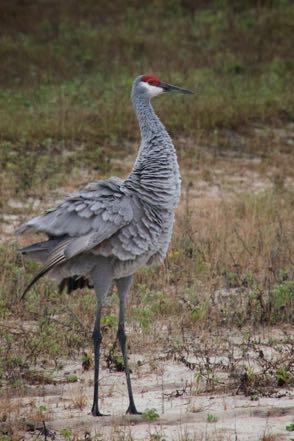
(63, 408)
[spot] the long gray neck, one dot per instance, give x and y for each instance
(155, 176)
(149, 122)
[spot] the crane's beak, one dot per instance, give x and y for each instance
(170, 88)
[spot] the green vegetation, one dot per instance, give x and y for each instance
(66, 433)
(282, 299)
(212, 418)
(156, 437)
(72, 378)
(283, 376)
(65, 83)
(151, 415)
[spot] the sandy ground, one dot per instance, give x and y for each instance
(181, 417)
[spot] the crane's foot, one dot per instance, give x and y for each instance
(132, 410)
(95, 411)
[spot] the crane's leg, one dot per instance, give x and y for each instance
(102, 280)
(97, 338)
(123, 286)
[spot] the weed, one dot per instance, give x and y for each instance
(72, 378)
(151, 415)
(231, 278)
(282, 300)
(282, 376)
(86, 361)
(114, 359)
(156, 437)
(109, 321)
(143, 316)
(268, 436)
(79, 401)
(212, 418)
(290, 427)
(66, 433)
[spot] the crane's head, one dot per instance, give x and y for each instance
(151, 85)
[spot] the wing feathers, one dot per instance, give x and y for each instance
(87, 211)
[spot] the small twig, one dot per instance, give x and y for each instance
(45, 431)
(175, 394)
(243, 242)
(77, 319)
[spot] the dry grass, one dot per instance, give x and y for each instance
(79, 401)
(268, 436)
(224, 250)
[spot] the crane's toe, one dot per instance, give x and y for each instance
(95, 412)
(132, 410)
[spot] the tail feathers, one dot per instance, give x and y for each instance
(39, 252)
(52, 253)
(46, 245)
(22, 228)
(33, 281)
(42, 273)
(36, 248)
(70, 283)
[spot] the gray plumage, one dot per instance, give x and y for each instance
(111, 228)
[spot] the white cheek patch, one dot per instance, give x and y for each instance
(152, 90)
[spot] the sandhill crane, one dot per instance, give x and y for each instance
(111, 228)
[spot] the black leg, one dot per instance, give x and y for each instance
(101, 277)
(123, 287)
(97, 338)
(122, 341)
